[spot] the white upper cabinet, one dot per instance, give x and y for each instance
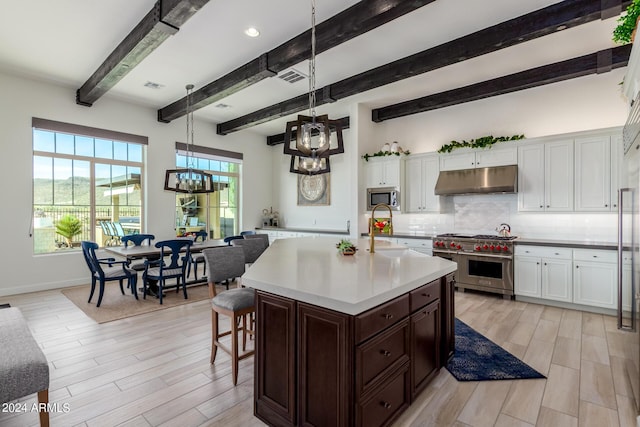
(479, 159)
(545, 177)
(421, 174)
(383, 172)
(593, 174)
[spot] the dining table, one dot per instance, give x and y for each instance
(150, 251)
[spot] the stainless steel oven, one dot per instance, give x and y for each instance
(485, 263)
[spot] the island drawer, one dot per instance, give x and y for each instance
(387, 403)
(381, 353)
(424, 295)
(375, 320)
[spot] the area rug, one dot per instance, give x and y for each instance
(116, 306)
(479, 359)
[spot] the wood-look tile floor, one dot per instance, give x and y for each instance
(153, 370)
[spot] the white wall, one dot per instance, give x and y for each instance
(23, 99)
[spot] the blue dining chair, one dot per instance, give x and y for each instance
(175, 267)
(137, 240)
(109, 272)
(247, 233)
(228, 239)
(196, 259)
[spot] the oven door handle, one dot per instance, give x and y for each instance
(486, 255)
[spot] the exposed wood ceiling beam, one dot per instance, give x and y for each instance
(279, 138)
(352, 22)
(557, 17)
(599, 62)
(162, 21)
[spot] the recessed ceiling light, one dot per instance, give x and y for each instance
(252, 32)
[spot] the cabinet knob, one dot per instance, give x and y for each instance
(385, 353)
(606, 206)
(548, 206)
(577, 266)
(385, 405)
(388, 316)
(537, 263)
(541, 206)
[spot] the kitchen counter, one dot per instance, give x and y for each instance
(311, 270)
(303, 230)
(576, 244)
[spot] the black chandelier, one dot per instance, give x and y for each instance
(312, 133)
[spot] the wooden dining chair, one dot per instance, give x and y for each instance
(238, 303)
(175, 267)
(107, 269)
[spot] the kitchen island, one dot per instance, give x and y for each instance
(347, 340)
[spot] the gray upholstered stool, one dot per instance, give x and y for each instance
(23, 366)
(237, 304)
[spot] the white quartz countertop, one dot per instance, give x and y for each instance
(310, 269)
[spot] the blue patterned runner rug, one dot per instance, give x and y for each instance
(479, 359)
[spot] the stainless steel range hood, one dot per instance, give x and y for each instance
(498, 179)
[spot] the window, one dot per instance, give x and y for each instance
(87, 185)
(217, 212)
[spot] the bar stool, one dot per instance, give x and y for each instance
(222, 263)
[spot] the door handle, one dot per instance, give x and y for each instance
(621, 324)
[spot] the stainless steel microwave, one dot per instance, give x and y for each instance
(387, 195)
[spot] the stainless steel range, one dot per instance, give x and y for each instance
(485, 262)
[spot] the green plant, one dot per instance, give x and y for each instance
(345, 245)
(627, 23)
(68, 227)
(483, 142)
(384, 153)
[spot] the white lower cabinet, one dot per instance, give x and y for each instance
(424, 246)
(543, 272)
(595, 278)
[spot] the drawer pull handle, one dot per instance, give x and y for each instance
(385, 353)
(426, 295)
(388, 316)
(386, 405)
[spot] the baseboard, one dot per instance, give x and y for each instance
(48, 286)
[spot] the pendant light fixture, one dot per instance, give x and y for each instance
(189, 180)
(312, 133)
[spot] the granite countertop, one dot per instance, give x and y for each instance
(310, 269)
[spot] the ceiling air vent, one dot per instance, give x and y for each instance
(291, 75)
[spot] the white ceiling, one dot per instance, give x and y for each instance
(66, 41)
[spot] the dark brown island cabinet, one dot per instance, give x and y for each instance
(318, 367)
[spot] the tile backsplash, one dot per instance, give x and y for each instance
(481, 214)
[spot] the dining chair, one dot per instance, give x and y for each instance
(264, 237)
(229, 239)
(175, 267)
(137, 240)
(253, 248)
(238, 303)
(247, 232)
(198, 258)
(112, 270)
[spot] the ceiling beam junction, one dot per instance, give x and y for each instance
(598, 62)
(545, 21)
(163, 20)
(346, 25)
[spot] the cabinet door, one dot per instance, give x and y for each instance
(616, 169)
(449, 162)
(325, 366)
(556, 279)
(391, 172)
(413, 190)
(595, 283)
(425, 346)
(531, 178)
(374, 173)
(593, 174)
(275, 384)
(430, 172)
(496, 157)
(558, 174)
(527, 277)
(447, 300)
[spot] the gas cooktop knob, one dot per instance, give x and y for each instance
(492, 247)
(453, 245)
(498, 248)
(458, 247)
(486, 247)
(505, 248)
(478, 248)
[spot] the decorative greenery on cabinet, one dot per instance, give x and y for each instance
(483, 142)
(623, 33)
(384, 153)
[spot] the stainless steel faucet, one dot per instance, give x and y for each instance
(372, 225)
